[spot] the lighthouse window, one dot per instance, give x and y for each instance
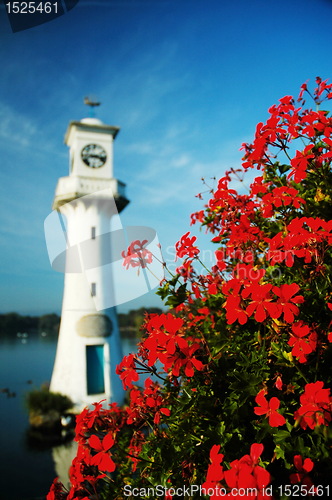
(93, 289)
(93, 233)
(95, 369)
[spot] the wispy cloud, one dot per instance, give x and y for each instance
(171, 170)
(15, 127)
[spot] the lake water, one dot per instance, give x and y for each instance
(26, 471)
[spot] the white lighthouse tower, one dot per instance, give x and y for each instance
(89, 346)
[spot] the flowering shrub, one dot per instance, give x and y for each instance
(242, 361)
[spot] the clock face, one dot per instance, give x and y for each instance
(94, 156)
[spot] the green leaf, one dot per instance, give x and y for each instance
(280, 436)
(283, 168)
(279, 452)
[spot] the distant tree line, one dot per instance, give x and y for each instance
(13, 323)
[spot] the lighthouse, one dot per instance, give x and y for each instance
(89, 345)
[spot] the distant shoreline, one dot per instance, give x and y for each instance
(13, 324)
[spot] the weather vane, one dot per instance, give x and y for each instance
(92, 102)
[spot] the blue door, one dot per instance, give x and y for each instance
(95, 369)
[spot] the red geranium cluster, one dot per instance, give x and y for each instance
(316, 406)
(145, 403)
(252, 298)
(245, 478)
(253, 324)
(57, 491)
(166, 343)
(303, 340)
(96, 431)
(303, 238)
(278, 198)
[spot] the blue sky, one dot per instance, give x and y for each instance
(186, 81)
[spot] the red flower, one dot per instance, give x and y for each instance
(303, 343)
(127, 371)
(220, 260)
(269, 408)
(185, 246)
(286, 300)
(197, 217)
(164, 337)
(321, 87)
(135, 447)
(215, 472)
(303, 467)
(316, 406)
(278, 383)
(145, 404)
(154, 400)
(303, 89)
(186, 270)
(278, 197)
(137, 255)
(166, 343)
(135, 412)
(81, 470)
(246, 474)
(261, 303)
(57, 491)
(300, 163)
(187, 361)
(102, 458)
(88, 419)
(234, 310)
